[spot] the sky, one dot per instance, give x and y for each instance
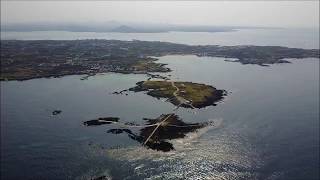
(217, 13)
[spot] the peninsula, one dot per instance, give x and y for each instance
(22, 60)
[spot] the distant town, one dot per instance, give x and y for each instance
(22, 60)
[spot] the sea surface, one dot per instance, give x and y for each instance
(307, 38)
(267, 127)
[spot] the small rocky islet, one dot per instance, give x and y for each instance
(101, 121)
(56, 112)
(169, 126)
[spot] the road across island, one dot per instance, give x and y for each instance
(179, 98)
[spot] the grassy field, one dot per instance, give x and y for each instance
(198, 95)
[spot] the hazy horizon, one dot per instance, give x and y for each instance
(283, 14)
(136, 89)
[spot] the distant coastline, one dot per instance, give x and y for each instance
(117, 27)
(22, 60)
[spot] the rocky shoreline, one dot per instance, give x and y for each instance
(193, 95)
(172, 128)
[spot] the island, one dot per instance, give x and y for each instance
(184, 94)
(100, 121)
(56, 112)
(157, 133)
(23, 60)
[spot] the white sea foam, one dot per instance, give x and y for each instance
(195, 157)
(194, 136)
(93, 174)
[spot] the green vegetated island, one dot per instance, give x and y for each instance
(185, 94)
(22, 60)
